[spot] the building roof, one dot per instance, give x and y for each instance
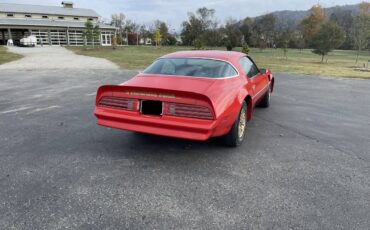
(47, 23)
(50, 10)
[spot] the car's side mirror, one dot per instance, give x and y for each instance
(263, 71)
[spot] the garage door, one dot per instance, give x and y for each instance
(76, 38)
(42, 36)
(58, 37)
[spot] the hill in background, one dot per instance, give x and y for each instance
(291, 18)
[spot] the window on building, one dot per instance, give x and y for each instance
(76, 19)
(28, 16)
(60, 17)
(45, 17)
(10, 15)
(91, 19)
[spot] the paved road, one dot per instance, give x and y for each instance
(52, 58)
(305, 164)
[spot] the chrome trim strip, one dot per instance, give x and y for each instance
(261, 91)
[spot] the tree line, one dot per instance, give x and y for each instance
(318, 31)
(129, 32)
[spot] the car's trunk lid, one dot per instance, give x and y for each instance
(173, 83)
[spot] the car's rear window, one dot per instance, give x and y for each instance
(192, 67)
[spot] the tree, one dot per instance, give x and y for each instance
(196, 25)
(310, 25)
(171, 40)
(361, 32)
(131, 27)
(199, 43)
(89, 32)
(191, 29)
(163, 28)
(146, 33)
(233, 36)
(96, 34)
(158, 37)
(247, 29)
(328, 37)
(118, 21)
(132, 31)
(264, 26)
(365, 7)
(255, 40)
(206, 17)
(297, 41)
(284, 47)
(283, 42)
(213, 37)
(344, 19)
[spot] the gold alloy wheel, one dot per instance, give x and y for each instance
(242, 124)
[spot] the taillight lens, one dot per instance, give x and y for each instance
(191, 111)
(119, 103)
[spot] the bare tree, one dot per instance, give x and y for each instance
(118, 21)
(361, 31)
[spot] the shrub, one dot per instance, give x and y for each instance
(245, 48)
(199, 43)
(229, 47)
(114, 42)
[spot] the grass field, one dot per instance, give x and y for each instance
(340, 63)
(6, 56)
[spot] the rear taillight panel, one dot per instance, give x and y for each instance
(169, 108)
(187, 110)
(119, 103)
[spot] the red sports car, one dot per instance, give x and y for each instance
(190, 94)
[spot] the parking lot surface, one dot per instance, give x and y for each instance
(305, 163)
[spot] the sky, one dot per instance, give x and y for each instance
(173, 12)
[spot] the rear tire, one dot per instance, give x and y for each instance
(237, 133)
(265, 102)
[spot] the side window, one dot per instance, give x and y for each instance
(249, 67)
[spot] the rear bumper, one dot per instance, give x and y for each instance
(186, 128)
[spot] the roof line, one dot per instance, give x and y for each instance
(43, 5)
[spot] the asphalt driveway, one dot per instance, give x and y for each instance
(305, 163)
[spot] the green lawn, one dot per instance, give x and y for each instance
(6, 56)
(340, 63)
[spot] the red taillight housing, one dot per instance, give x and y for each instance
(190, 111)
(119, 103)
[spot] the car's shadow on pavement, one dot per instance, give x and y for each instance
(181, 144)
(139, 145)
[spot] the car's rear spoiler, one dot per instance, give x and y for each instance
(145, 93)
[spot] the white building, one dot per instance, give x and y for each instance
(52, 25)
